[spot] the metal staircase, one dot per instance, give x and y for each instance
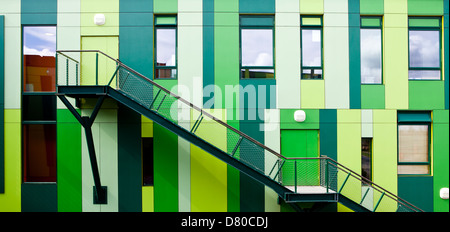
(295, 180)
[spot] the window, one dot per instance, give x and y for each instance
(371, 47)
(39, 104)
(311, 45)
(424, 48)
(147, 161)
(257, 46)
(366, 159)
(414, 143)
(165, 47)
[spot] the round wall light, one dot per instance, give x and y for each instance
(444, 193)
(99, 19)
(299, 116)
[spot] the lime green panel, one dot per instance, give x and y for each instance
(209, 174)
(349, 150)
(287, 120)
(426, 7)
(166, 21)
(165, 6)
(385, 155)
(424, 22)
(146, 128)
(426, 95)
(148, 204)
(10, 201)
(372, 7)
(69, 162)
(371, 22)
(312, 94)
(372, 96)
(110, 8)
(311, 21)
(311, 6)
(440, 157)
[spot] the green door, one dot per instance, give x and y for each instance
(300, 144)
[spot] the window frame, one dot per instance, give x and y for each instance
(155, 42)
(25, 123)
(419, 121)
(380, 27)
(250, 27)
(312, 27)
(425, 28)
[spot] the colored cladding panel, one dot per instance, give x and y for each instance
(39, 12)
(312, 94)
(311, 6)
(165, 6)
(372, 96)
(39, 197)
(287, 66)
(2, 104)
(226, 57)
(446, 52)
(68, 162)
(417, 191)
(165, 153)
(10, 201)
(440, 157)
(336, 55)
(396, 64)
(106, 67)
(384, 148)
(111, 11)
(426, 95)
(147, 127)
(148, 201)
(129, 160)
(287, 120)
(426, 7)
(348, 148)
(208, 51)
(272, 140)
(354, 54)
(372, 7)
(263, 6)
(328, 133)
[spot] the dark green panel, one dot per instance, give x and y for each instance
(417, 191)
(260, 6)
(208, 50)
(39, 197)
(2, 103)
(129, 160)
(39, 12)
(440, 157)
(354, 54)
(68, 162)
(413, 116)
(165, 153)
(446, 52)
(328, 133)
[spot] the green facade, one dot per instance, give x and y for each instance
(339, 109)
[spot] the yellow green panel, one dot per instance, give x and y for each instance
(148, 199)
(209, 174)
(147, 127)
(106, 67)
(385, 155)
(110, 8)
(349, 150)
(311, 6)
(312, 94)
(10, 201)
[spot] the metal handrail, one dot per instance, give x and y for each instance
(202, 112)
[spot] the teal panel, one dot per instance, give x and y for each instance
(39, 197)
(354, 54)
(39, 12)
(417, 191)
(2, 103)
(413, 116)
(328, 133)
(208, 50)
(262, 6)
(129, 160)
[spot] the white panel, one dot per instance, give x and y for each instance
(366, 124)
(271, 140)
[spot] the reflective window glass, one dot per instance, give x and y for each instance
(257, 47)
(39, 49)
(424, 48)
(166, 47)
(311, 48)
(371, 58)
(39, 108)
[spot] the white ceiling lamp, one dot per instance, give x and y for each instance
(99, 19)
(299, 116)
